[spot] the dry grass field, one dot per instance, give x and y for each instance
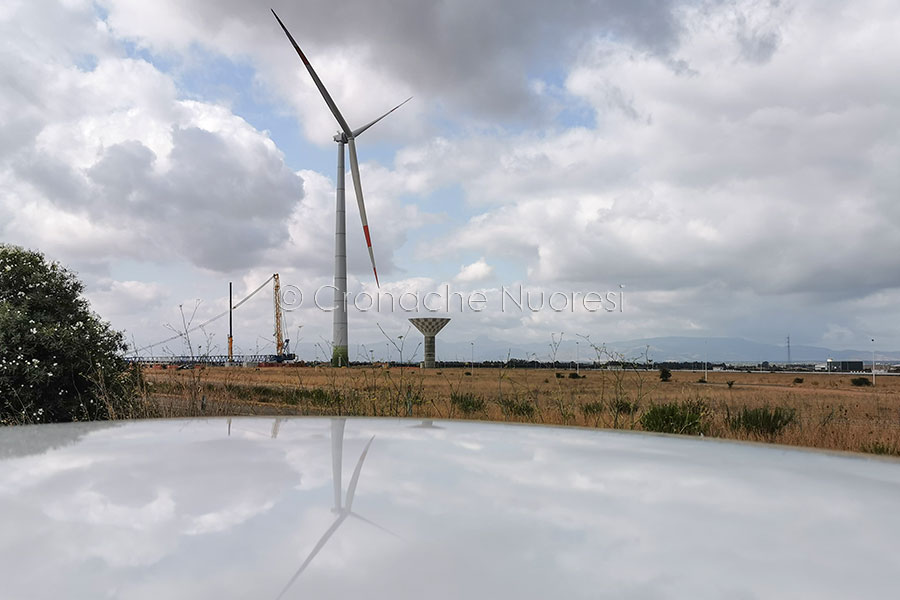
(811, 409)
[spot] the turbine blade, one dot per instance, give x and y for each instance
(364, 127)
(334, 109)
(354, 171)
(351, 491)
(376, 525)
(318, 547)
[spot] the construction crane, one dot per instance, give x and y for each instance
(279, 317)
(282, 351)
(230, 329)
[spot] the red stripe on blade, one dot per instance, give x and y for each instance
(368, 239)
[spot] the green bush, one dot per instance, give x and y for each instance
(665, 374)
(688, 417)
(798, 380)
(730, 383)
(574, 375)
(763, 421)
(517, 408)
(861, 381)
(58, 360)
(467, 403)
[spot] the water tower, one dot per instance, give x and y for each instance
(429, 327)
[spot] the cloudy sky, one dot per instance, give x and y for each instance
(732, 164)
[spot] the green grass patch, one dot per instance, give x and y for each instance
(623, 407)
(763, 421)
(467, 403)
(512, 407)
(592, 409)
(881, 449)
(688, 418)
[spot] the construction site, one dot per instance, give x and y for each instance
(281, 355)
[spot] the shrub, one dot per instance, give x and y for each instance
(665, 374)
(560, 376)
(861, 381)
(881, 448)
(730, 383)
(517, 408)
(763, 421)
(574, 375)
(592, 409)
(622, 406)
(467, 403)
(701, 380)
(688, 417)
(798, 380)
(468, 373)
(58, 360)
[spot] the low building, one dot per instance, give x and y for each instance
(841, 366)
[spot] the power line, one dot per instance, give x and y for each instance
(204, 323)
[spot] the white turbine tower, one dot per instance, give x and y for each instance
(345, 136)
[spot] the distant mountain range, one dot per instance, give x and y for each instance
(714, 349)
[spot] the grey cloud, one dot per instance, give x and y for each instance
(759, 47)
(758, 42)
(220, 208)
(51, 177)
(473, 56)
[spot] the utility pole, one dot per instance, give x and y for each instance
(187, 335)
(706, 361)
(577, 359)
(873, 362)
(789, 349)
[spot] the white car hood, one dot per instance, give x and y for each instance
(262, 507)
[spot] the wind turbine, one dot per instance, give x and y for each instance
(344, 137)
(342, 507)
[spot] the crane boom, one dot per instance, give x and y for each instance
(279, 327)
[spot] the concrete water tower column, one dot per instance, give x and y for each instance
(429, 327)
